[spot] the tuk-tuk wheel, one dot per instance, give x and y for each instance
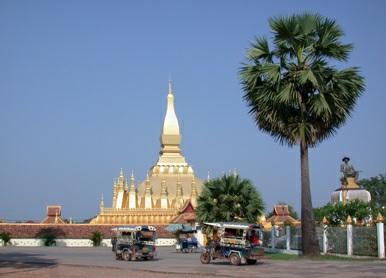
(126, 256)
(235, 259)
(251, 261)
(205, 257)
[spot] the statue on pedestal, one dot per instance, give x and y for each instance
(349, 189)
(348, 171)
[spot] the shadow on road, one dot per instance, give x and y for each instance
(18, 260)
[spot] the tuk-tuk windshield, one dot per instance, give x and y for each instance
(145, 235)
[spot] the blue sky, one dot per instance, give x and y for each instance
(83, 92)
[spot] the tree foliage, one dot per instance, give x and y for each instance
(229, 198)
(337, 214)
(297, 96)
(5, 237)
(96, 238)
(377, 188)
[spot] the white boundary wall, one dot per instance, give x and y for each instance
(35, 242)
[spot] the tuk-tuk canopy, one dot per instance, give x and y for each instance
(233, 225)
(173, 228)
(144, 228)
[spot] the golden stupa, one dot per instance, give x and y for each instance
(169, 186)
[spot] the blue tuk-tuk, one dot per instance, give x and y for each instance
(240, 243)
(134, 242)
(186, 240)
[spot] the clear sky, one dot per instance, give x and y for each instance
(83, 89)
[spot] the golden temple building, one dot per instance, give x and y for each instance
(169, 186)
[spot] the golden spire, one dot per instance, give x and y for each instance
(148, 186)
(170, 126)
(170, 135)
(132, 180)
(101, 204)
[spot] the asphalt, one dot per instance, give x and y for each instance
(100, 262)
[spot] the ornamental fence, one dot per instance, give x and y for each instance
(349, 240)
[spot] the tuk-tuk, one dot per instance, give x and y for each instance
(238, 242)
(134, 242)
(186, 240)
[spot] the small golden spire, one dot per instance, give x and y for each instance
(148, 186)
(349, 220)
(380, 218)
(324, 221)
(132, 182)
(102, 203)
(121, 173)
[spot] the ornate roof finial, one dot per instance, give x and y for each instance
(170, 87)
(121, 173)
(132, 175)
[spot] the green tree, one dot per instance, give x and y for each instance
(337, 214)
(297, 96)
(229, 198)
(5, 237)
(377, 188)
(96, 238)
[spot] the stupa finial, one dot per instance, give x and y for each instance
(170, 91)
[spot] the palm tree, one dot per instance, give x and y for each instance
(297, 96)
(229, 198)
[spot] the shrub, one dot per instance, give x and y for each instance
(49, 235)
(96, 238)
(49, 239)
(5, 237)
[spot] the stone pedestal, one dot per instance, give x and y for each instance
(350, 191)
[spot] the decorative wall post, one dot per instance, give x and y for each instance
(288, 237)
(325, 240)
(349, 236)
(273, 243)
(380, 237)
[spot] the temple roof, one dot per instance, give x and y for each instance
(280, 215)
(53, 215)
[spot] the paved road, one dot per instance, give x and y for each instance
(99, 262)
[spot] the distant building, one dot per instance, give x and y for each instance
(169, 187)
(280, 216)
(53, 216)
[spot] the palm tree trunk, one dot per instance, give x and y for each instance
(309, 238)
